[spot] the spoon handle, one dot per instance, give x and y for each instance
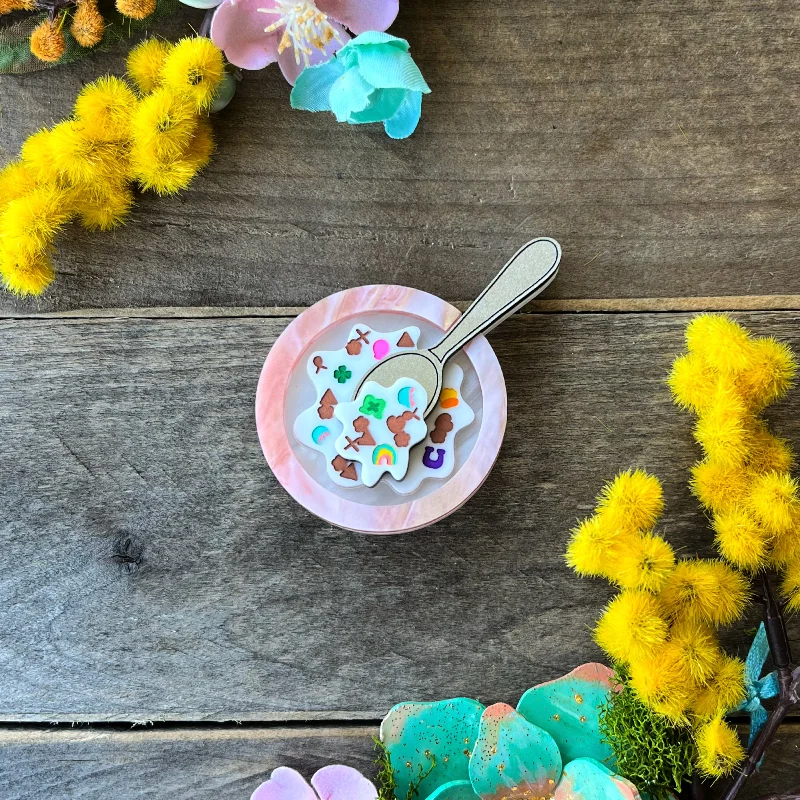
(529, 272)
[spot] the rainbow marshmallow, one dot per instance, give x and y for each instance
(384, 456)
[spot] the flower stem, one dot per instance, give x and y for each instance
(205, 25)
(788, 680)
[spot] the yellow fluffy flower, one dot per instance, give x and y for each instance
(16, 179)
(695, 650)
(171, 175)
(773, 501)
(741, 539)
(104, 108)
(722, 343)
(692, 382)
(29, 223)
(37, 155)
(786, 546)
(725, 688)
(163, 177)
(719, 750)
(194, 69)
(26, 273)
(644, 561)
(723, 429)
(691, 591)
(661, 686)
(163, 125)
(595, 545)
(632, 626)
(28, 226)
(791, 584)
(634, 500)
(733, 594)
(201, 146)
(717, 486)
(103, 206)
(769, 373)
(589, 547)
(768, 453)
(82, 159)
(145, 62)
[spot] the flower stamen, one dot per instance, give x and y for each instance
(305, 27)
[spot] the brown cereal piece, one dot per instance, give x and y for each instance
(441, 427)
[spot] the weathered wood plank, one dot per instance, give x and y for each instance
(153, 569)
(761, 302)
(657, 140)
(191, 763)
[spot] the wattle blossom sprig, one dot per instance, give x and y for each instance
(154, 133)
(660, 629)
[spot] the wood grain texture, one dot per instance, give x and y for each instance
(192, 764)
(762, 302)
(656, 140)
(153, 569)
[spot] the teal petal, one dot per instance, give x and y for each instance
(385, 104)
(376, 37)
(349, 95)
(455, 790)
(568, 708)
(511, 752)
(419, 735)
(201, 3)
(587, 779)
(405, 120)
(385, 67)
(312, 89)
(347, 56)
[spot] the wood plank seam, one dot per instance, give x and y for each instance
(599, 305)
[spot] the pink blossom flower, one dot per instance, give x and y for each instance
(295, 33)
(331, 783)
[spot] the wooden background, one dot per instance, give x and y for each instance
(153, 572)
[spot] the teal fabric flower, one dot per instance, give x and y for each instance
(758, 688)
(371, 79)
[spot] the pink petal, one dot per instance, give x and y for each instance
(238, 29)
(288, 63)
(361, 15)
(337, 782)
(284, 784)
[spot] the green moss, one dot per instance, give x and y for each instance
(385, 777)
(651, 752)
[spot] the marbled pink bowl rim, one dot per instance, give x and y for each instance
(326, 504)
